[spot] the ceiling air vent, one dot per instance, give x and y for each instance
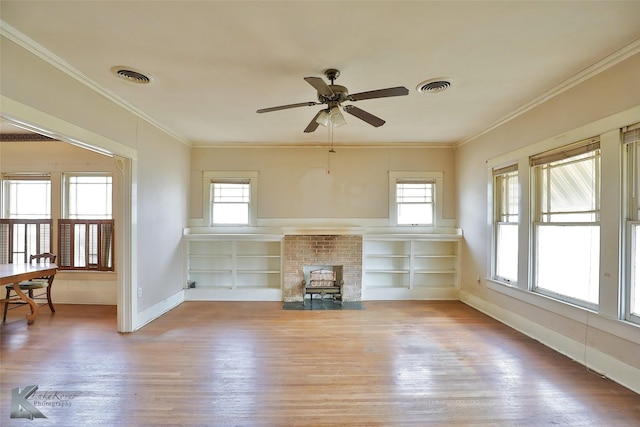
(434, 86)
(131, 75)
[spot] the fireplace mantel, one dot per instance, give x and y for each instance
(323, 231)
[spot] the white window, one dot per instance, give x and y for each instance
(25, 227)
(230, 202)
(89, 196)
(414, 202)
(230, 198)
(27, 197)
(631, 139)
(414, 198)
(567, 222)
(505, 224)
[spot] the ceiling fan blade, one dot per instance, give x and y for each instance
(313, 125)
(320, 86)
(284, 107)
(380, 93)
(363, 115)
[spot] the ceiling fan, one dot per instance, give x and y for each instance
(334, 95)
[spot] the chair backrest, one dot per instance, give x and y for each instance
(45, 257)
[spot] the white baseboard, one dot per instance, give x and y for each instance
(604, 364)
(228, 294)
(157, 310)
(392, 294)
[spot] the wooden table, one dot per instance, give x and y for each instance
(16, 273)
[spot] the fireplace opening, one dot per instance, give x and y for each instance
(322, 280)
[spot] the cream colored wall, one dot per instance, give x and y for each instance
(40, 94)
(292, 181)
(56, 158)
(594, 339)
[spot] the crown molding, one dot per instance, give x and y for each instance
(615, 58)
(46, 55)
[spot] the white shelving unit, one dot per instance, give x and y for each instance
(410, 267)
(233, 267)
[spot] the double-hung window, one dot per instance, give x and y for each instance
(567, 222)
(85, 235)
(231, 202)
(631, 139)
(230, 198)
(505, 224)
(25, 227)
(413, 198)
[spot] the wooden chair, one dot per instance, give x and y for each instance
(30, 286)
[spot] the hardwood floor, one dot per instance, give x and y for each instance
(404, 363)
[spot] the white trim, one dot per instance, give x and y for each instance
(152, 313)
(612, 368)
(406, 294)
(237, 294)
(45, 124)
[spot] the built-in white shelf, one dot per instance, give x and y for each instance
(239, 266)
(410, 266)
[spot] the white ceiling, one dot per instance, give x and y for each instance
(215, 63)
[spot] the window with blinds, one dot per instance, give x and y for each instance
(505, 224)
(414, 202)
(568, 183)
(566, 222)
(231, 202)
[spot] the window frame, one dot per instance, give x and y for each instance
(6, 192)
(498, 201)
(630, 136)
(434, 177)
(66, 193)
(210, 177)
(542, 218)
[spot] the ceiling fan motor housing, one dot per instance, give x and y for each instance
(340, 94)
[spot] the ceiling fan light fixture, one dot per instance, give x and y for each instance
(323, 118)
(434, 85)
(337, 119)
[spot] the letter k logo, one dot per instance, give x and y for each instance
(21, 407)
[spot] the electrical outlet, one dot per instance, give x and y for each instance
(140, 292)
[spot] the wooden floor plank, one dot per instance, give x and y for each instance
(404, 363)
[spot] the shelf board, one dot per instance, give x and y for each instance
(435, 271)
(210, 271)
(387, 271)
(435, 256)
(387, 255)
(257, 256)
(209, 255)
(258, 271)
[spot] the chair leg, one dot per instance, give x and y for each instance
(30, 294)
(49, 301)
(6, 305)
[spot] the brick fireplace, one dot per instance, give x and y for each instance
(304, 250)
